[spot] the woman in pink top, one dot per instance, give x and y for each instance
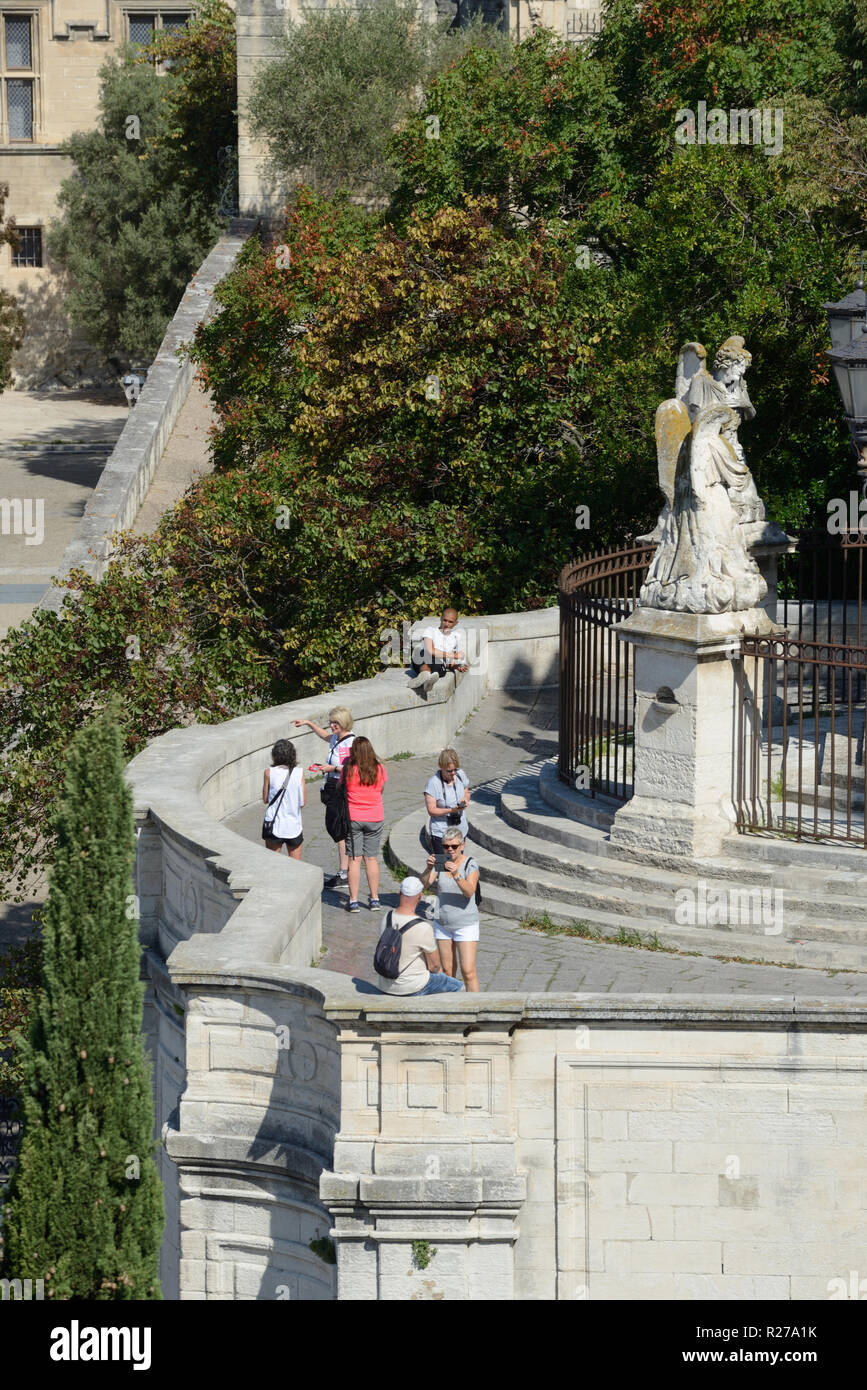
(365, 779)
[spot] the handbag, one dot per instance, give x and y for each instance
(337, 811)
(331, 786)
(268, 824)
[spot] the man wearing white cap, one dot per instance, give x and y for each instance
(420, 968)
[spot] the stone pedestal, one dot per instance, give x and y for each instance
(686, 707)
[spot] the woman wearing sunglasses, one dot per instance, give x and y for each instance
(457, 926)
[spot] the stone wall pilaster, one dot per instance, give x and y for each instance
(425, 1160)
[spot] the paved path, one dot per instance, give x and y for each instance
(507, 732)
(185, 458)
(53, 447)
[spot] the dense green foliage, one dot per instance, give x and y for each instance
(140, 211)
(12, 322)
(344, 79)
(412, 406)
(84, 1209)
(20, 968)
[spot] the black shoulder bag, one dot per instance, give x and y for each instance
(337, 811)
(330, 787)
(268, 822)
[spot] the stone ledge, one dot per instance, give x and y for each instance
(124, 481)
(357, 1011)
(207, 1152)
(410, 1192)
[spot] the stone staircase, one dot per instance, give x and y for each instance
(544, 849)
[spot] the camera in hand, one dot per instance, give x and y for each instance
(440, 861)
(453, 818)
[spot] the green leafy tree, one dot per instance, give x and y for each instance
(19, 977)
(12, 321)
(246, 354)
(661, 56)
(198, 95)
(84, 1211)
(344, 79)
(532, 126)
(139, 213)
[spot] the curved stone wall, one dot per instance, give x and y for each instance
(212, 904)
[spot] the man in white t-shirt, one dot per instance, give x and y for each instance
(444, 650)
(418, 949)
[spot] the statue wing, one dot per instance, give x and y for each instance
(671, 426)
(692, 358)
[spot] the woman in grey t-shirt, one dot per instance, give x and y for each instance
(457, 927)
(446, 793)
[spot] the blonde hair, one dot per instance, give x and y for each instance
(342, 716)
(447, 757)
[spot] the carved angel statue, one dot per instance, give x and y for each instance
(695, 389)
(701, 564)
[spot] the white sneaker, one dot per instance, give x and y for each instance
(418, 681)
(432, 678)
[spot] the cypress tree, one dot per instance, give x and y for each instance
(84, 1210)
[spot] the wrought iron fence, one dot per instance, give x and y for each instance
(801, 705)
(821, 599)
(597, 694)
(800, 747)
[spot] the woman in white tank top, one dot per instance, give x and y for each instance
(283, 795)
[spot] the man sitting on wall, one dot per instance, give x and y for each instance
(441, 653)
(418, 948)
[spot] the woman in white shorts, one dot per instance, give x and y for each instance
(457, 926)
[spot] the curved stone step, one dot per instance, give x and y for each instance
(640, 890)
(404, 848)
(528, 814)
(509, 882)
(827, 857)
(701, 940)
(530, 830)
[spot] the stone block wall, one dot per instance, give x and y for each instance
(254, 1128)
(566, 1147)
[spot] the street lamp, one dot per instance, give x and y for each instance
(847, 324)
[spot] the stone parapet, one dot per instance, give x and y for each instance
(124, 482)
(233, 1010)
